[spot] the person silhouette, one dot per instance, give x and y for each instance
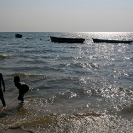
(22, 87)
(1, 91)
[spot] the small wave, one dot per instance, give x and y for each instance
(127, 110)
(75, 58)
(29, 38)
(131, 58)
(94, 65)
(31, 50)
(4, 56)
(90, 65)
(88, 114)
(3, 37)
(25, 74)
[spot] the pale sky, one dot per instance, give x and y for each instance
(66, 15)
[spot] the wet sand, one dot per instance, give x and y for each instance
(14, 130)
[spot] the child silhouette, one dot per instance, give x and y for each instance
(22, 87)
(1, 92)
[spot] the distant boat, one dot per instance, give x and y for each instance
(110, 41)
(67, 40)
(18, 35)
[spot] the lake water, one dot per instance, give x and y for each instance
(74, 88)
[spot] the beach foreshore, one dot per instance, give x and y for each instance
(15, 130)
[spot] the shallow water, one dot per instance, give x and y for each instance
(73, 87)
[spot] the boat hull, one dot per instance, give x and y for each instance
(18, 35)
(67, 40)
(109, 41)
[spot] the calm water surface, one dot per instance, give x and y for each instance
(74, 88)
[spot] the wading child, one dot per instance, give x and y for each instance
(1, 92)
(22, 87)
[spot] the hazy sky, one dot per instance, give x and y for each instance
(66, 15)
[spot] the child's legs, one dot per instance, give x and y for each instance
(3, 101)
(20, 97)
(2, 98)
(21, 94)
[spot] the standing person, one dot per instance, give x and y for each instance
(22, 87)
(1, 91)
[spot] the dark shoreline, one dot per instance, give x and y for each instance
(15, 130)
